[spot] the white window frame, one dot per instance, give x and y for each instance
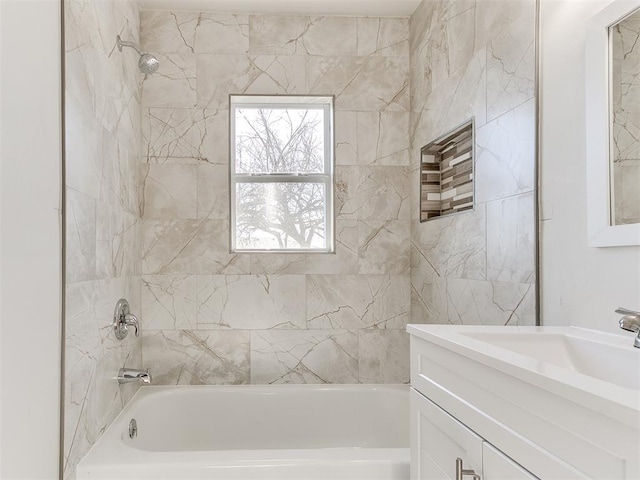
(327, 178)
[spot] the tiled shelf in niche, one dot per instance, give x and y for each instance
(446, 174)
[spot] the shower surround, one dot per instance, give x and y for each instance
(147, 196)
(211, 317)
(102, 120)
(477, 59)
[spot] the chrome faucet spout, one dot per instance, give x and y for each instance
(631, 323)
(130, 375)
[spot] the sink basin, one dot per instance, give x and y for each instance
(605, 361)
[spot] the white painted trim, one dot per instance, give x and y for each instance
(600, 231)
(371, 8)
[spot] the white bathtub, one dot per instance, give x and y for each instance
(301, 432)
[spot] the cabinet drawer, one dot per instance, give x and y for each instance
(497, 466)
(437, 439)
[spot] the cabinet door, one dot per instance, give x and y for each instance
(497, 466)
(437, 440)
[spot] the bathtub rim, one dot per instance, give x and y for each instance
(110, 445)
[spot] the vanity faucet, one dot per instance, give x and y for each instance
(130, 375)
(631, 323)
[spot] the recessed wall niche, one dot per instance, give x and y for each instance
(446, 174)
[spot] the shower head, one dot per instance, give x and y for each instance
(147, 64)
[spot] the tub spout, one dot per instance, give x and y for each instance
(130, 375)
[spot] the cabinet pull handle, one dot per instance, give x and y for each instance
(461, 472)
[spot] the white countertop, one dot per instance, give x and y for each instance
(583, 365)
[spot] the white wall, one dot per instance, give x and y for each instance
(581, 285)
(30, 279)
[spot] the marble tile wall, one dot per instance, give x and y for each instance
(474, 58)
(213, 317)
(102, 118)
(625, 87)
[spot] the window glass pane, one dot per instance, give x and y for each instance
(279, 140)
(280, 216)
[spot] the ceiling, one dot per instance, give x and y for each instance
(373, 8)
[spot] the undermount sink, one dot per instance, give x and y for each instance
(610, 362)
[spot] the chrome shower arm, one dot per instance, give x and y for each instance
(122, 43)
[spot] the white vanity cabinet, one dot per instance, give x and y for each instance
(502, 400)
(439, 441)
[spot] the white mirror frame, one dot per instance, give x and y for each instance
(600, 231)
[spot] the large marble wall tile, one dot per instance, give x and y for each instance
(505, 154)
(474, 59)
(222, 33)
(116, 247)
(383, 138)
(169, 302)
(304, 356)
(331, 36)
(93, 357)
(276, 301)
(82, 348)
(383, 355)
(511, 239)
(189, 247)
(174, 84)
(184, 357)
(383, 247)
(473, 302)
(120, 175)
(461, 39)
(185, 135)
(511, 65)
(170, 191)
(428, 299)
(90, 59)
(360, 83)
(277, 74)
(102, 110)
(222, 75)
(83, 144)
(346, 138)
(387, 37)
(420, 260)
(452, 103)
(303, 35)
(377, 192)
(168, 32)
(357, 301)
(213, 191)
(496, 16)
(127, 131)
(453, 246)
(343, 261)
(277, 34)
(80, 237)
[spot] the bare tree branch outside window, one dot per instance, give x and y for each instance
(274, 212)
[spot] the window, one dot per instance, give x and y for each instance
(281, 173)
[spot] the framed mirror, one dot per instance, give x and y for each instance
(613, 125)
